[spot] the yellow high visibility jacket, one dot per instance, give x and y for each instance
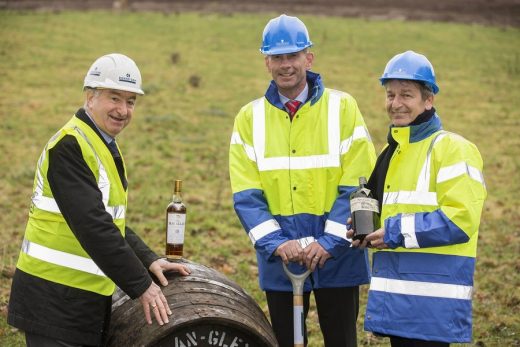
(433, 197)
(50, 250)
(292, 181)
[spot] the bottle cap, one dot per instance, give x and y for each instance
(362, 180)
(178, 185)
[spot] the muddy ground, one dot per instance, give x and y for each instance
(486, 12)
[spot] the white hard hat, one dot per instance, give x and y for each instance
(114, 71)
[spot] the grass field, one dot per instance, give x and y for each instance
(182, 128)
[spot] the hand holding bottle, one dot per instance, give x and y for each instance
(373, 240)
(364, 210)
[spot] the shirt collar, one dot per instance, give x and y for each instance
(108, 139)
(302, 97)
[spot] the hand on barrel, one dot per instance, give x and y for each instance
(314, 254)
(373, 240)
(161, 265)
(153, 299)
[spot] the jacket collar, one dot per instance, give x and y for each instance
(82, 115)
(416, 133)
(315, 91)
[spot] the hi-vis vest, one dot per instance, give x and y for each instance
(50, 249)
(433, 197)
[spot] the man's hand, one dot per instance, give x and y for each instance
(162, 265)
(153, 298)
(314, 254)
(290, 251)
(374, 240)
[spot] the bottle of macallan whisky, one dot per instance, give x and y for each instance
(365, 211)
(175, 224)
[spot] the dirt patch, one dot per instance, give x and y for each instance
(487, 12)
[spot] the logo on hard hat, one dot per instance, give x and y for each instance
(282, 42)
(127, 78)
(95, 72)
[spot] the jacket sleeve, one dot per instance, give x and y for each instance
(76, 192)
(358, 157)
(248, 197)
(143, 252)
(460, 191)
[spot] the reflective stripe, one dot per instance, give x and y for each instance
(360, 132)
(117, 212)
(413, 198)
(305, 241)
(68, 260)
(103, 182)
(49, 204)
(263, 229)
(423, 181)
(437, 290)
(459, 169)
(408, 230)
(336, 229)
(45, 203)
(237, 140)
(421, 196)
(297, 163)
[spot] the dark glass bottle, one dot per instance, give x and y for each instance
(364, 211)
(175, 224)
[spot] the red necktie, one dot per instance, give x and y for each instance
(292, 107)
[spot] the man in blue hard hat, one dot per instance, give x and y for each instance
(296, 154)
(430, 186)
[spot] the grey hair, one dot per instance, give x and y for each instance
(94, 91)
(425, 88)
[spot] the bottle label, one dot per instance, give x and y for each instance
(176, 225)
(364, 204)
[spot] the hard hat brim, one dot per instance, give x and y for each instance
(284, 50)
(433, 86)
(111, 85)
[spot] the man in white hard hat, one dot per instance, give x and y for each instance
(77, 247)
(296, 154)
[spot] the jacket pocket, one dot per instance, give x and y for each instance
(428, 264)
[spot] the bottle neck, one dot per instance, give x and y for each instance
(177, 197)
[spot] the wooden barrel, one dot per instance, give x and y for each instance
(208, 310)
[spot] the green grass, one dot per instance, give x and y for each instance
(182, 131)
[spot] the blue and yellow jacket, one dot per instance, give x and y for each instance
(433, 197)
(292, 181)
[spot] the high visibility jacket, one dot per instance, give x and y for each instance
(50, 250)
(433, 197)
(292, 181)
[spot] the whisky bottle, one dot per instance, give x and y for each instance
(175, 224)
(364, 210)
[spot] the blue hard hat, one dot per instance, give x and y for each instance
(410, 66)
(284, 34)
